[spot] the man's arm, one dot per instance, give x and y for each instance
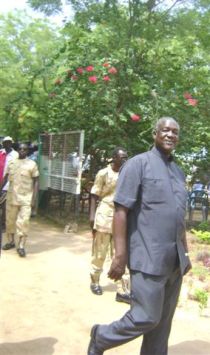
(4, 181)
(119, 261)
(93, 206)
(35, 190)
(95, 194)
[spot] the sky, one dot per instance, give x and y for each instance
(10, 5)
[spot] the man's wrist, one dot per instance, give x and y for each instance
(121, 257)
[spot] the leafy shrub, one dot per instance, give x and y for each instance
(203, 237)
(202, 297)
(204, 226)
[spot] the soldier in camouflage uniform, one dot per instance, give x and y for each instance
(7, 153)
(101, 217)
(22, 174)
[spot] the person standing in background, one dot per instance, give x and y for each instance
(22, 175)
(101, 220)
(7, 153)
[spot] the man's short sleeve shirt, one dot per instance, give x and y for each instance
(152, 187)
(21, 173)
(104, 187)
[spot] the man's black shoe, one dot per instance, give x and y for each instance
(21, 252)
(92, 348)
(125, 297)
(8, 246)
(96, 289)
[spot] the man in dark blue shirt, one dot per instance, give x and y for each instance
(149, 235)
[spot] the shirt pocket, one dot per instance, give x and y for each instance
(25, 173)
(153, 190)
(26, 180)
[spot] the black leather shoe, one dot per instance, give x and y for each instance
(21, 252)
(96, 289)
(92, 348)
(125, 297)
(8, 246)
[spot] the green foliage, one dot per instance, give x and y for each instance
(203, 237)
(204, 226)
(161, 58)
(49, 7)
(24, 59)
(202, 232)
(158, 59)
(202, 297)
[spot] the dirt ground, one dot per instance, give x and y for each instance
(47, 308)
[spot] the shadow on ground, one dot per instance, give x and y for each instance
(197, 347)
(40, 346)
(40, 241)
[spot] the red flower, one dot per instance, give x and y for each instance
(187, 95)
(89, 68)
(58, 81)
(74, 77)
(79, 70)
(106, 78)
(135, 117)
(93, 79)
(112, 70)
(106, 65)
(192, 102)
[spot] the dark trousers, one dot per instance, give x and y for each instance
(154, 300)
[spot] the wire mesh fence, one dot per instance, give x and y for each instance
(60, 166)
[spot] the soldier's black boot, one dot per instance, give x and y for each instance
(95, 287)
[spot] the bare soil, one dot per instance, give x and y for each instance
(46, 306)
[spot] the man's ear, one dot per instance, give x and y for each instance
(154, 132)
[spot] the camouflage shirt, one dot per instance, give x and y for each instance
(104, 187)
(21, 173)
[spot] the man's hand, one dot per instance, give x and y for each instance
(91, 223)
(93, 233)
(33, 203)
(117, 268)
(92, 229)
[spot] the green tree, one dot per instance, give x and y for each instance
(27, 50)
(161, 53)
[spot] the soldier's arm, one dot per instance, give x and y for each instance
(95, 195)
(93, 206)
(35, 190)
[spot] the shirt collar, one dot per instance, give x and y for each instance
(158, 152)
(4, 151)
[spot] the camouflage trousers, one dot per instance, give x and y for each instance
(17, 220)
(102, 248)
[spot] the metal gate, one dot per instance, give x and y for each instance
(60, 167)
(60, 161)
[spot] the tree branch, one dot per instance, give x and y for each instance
(172, 6)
